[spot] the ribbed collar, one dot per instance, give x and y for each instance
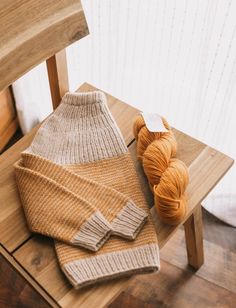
(84, 98)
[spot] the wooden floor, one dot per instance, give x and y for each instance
(177, 285)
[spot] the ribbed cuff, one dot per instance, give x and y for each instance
(129, 221)
(93, 233)
(138, 260)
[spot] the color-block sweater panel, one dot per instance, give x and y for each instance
(143, 253)
(80, 131)
(84, 205)
(78, 184)
(82, 180)
(117, 257)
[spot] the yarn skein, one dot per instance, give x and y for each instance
(167, 176)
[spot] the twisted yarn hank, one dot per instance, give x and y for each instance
(168, 177)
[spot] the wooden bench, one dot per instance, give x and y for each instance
(32, 255)
(35, 253)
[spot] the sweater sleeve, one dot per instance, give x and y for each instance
(55, 211)
(123, 216)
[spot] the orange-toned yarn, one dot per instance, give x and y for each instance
(168, 176)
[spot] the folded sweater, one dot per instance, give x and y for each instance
(78, 185)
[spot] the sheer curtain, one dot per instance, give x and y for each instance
(176, 58)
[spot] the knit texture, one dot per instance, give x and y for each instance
(78, 185)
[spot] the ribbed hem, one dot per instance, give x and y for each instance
(129, 221)
(84, 98)
(93, 233)
(128, 262)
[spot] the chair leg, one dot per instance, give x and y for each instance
(194, 238)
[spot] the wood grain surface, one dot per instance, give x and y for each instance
(32, 31)
(17, 287)
(58, 76)
(8, 119)
(194, 238)
(7, 110)
(15, 290)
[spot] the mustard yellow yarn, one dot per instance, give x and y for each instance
(168, 176)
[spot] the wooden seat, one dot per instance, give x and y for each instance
(35, 254)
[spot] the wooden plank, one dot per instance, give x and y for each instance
(189, 148)
(13, 229)
(7, 111)
(38, 257)
(58, 77)
(6, 135)
(20, 277)
(174, 287)
(40, 260)
(8, 120)
(194, 238)
(32, 31)
(15, 290)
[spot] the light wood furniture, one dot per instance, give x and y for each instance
(33, 255)
(8, 118)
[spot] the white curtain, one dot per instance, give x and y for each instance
(32, 97)
(176, 58)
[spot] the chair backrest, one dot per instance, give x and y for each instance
(32, 31)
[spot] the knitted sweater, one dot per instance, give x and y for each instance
(78, 185)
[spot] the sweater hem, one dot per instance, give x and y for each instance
(138, 260)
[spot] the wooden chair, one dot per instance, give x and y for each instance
(34, 31)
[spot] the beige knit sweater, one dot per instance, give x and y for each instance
(78, 185)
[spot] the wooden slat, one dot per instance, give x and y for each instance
(6, 135)
(37, 256)
(8, 120)
(15, 290)
(58, 76)
(32, 31)
(7, 111)
(13, 229)
(20, 275)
